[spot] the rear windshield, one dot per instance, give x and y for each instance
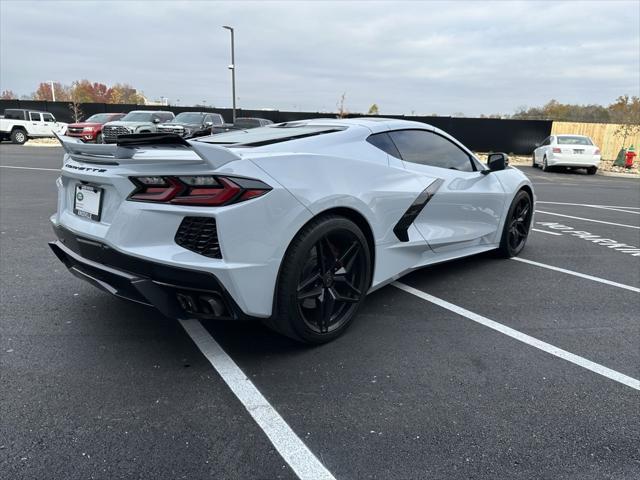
(574, 141)
(272, 134)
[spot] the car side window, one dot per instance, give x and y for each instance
(48, 117)
(35, 117)
(383, 142)
(429, 148)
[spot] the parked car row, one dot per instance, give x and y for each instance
(20, 125)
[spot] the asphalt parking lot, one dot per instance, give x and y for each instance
(94, 387)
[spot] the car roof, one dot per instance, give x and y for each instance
(571, 135)
(26, 110)
(151, 111)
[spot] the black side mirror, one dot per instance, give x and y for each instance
(156, 120)
(496, 162)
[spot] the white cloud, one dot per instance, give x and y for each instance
(444, 57)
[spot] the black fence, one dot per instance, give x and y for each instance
(478, 134)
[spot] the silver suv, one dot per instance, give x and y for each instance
(137, 121)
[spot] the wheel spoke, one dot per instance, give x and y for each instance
(344, 281)
(348, 257)
(343, 298)
(326, 309)
(313, 293)
(305, 284)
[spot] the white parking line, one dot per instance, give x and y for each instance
(588, 219)
(577, 274)
(545, 231)
(31, 168)
(603, 207)
(524, 338)
(303, 462)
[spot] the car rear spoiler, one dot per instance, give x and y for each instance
(144, 147)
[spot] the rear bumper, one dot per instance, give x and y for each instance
(567, 160)
(175, 292)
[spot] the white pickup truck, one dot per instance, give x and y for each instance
(20, 125)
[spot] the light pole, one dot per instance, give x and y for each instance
(232, 67)
(53, 92)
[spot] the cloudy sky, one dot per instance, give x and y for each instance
(424, 57)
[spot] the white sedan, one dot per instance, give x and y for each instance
(574, 151)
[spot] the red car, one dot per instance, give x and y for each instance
(91, 129)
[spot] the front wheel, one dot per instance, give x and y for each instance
(323, 280)
(516, 225)
(19, 136)
(99, 138)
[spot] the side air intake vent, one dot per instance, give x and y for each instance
(200, 235)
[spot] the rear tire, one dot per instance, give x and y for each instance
(323, 280)
(19, 136)
(592, 170)
(533, 161)
(545, 165)
(516, 226)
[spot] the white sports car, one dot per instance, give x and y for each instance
(573, 151)
(291, 223)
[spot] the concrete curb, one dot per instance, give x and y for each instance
(619, 175)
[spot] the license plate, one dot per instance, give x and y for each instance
(87, 202)
(577, 150)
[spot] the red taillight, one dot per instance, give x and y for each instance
(557, 150)
(200, 190)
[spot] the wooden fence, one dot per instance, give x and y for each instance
(603, 134)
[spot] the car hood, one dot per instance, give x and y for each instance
(180, 124)
(120, 123)
(84, 124)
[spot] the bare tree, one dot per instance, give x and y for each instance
(342, 111)
(76, 111)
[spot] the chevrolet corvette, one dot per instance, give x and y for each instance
(292, 223)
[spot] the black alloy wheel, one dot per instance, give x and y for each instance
(330, 284)
(324, 278)
(517, 225)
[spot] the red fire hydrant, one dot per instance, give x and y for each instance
(629, 157)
